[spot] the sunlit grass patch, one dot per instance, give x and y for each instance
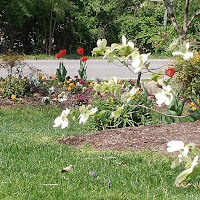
(31, 161)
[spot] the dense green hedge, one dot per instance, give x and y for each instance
(28, 26)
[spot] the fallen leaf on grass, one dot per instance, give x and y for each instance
(68, 168)
(121, 163)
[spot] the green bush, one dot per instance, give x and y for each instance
(14, 86)
(135, 113)
(188, 75)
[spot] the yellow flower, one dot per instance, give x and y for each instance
(192, 104)
(197, 100)
(111, 99)
(194, 108)
(37, 75)
(13, 96)
(72, 85)
(119, 82)
(138, 92)
(43, 78)
(69, 88)
(91, 84)
(68, 81)
(54, 76)
(133, 97)
(108, 100)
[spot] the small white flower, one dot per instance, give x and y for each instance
(78, 84)
(165, 96)
(62, 97)
(175, 145)
(46, 100)
(51, 90)
(62, 120)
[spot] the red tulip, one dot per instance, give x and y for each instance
(80, 51)
(63, 52)
(170, 72)
(84, 58)
(58, 55)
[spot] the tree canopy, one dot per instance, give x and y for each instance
(46, 26)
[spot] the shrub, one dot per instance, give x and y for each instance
(188, 75)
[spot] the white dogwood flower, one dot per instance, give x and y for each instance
(182, 176)
(116, 114)
(101, 44)
(128, 95)
(165, 96)
(124, 42)
(85, 113)
(184, 51)
(183, 156)
(139, 61)
(175, 145)
(62, 120)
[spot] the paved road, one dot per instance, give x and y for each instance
(96, 68)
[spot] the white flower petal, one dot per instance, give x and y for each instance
(134, 90)
(57, 122)
(145, 57)
(123, 39)
(83, 118)
(187, 45)
(177, 53)
(65, 123)
(131, 44)
(187, 56)
(93, 110)
(160, 98)
(175, 145)
(194, 163)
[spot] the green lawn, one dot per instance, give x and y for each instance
(31, 161)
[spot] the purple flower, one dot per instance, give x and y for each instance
(94, 179)
(92, 172)
(109, 183)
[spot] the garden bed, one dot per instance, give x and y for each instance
(140, 138)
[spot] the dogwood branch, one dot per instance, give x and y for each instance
(192, 18)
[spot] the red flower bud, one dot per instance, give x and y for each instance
(84, 58)
(170, 72)
(58, 55)
(80, 51)
(63, 52)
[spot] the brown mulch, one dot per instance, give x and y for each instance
(140, 138)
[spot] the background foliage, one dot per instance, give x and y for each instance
(46, 26)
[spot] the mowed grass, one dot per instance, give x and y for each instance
(31, 161)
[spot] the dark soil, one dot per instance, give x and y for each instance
(140, 138)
